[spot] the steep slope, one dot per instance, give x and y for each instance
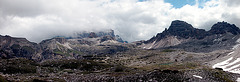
(231, 62)
(85, 34)
(178, 32)
(91, 44)
(182, 35)
(221, 36)
(87, 44)
(11, 47)
(223, 28)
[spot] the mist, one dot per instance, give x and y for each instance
(133, 20)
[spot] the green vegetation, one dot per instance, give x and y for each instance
(85, 65)
(219, 75)
(59, 52)
(52, 80)
(119, 68)
(168, 50)
(66, 52)
(184, 66)
(15, 46)
(2, 79)
(61, 46)
(28, 49)
(18, 65)
(171, 66)
(77, 52)
(167, 63)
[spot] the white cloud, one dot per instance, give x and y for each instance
(132, 20)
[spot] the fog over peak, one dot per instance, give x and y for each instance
(131, 19)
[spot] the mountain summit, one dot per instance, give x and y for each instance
(185, 30)
(181, 32)
(224, 27)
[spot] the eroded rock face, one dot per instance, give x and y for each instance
(81, 35)
(61, 47)
(224, 27)
(185, 30)
(186, 33)
(17, 47)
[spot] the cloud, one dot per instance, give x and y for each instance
(232, 2)
(133, 20)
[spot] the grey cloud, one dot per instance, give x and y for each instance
(232, 2)
(208, 24)
(41, 19)
(232, 18)
(21, 7)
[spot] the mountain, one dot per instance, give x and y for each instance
(179, 53)
(62, 48)
(83, 44)
(85, 34)
(11, 47)
(177, 33)
(182, 35)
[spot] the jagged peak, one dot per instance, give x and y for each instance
(224, 27)
(182, 29)
(178, 24)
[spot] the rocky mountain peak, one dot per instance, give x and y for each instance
(179, 25)
(224, 27)
(185, 30)
(95, 34)
(181, 29)
(180, 32)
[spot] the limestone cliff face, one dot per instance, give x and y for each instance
(17, 47)
(81, 35)
(61, 47)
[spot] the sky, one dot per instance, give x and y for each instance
(133, 20)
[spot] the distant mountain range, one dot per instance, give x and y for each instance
(180, 34)
(85, 34)
(82, 43)
(179, 53)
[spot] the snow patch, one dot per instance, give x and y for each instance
(231, 53)
(232, 63)
(197, 76)
(221, 64)
(233, 66)
(238, 80)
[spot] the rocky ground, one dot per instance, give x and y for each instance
(133, 65)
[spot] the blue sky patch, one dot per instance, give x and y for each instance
(180, 3)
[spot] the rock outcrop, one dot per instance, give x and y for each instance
(224, 27)
(11, 47)
(182, 33)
